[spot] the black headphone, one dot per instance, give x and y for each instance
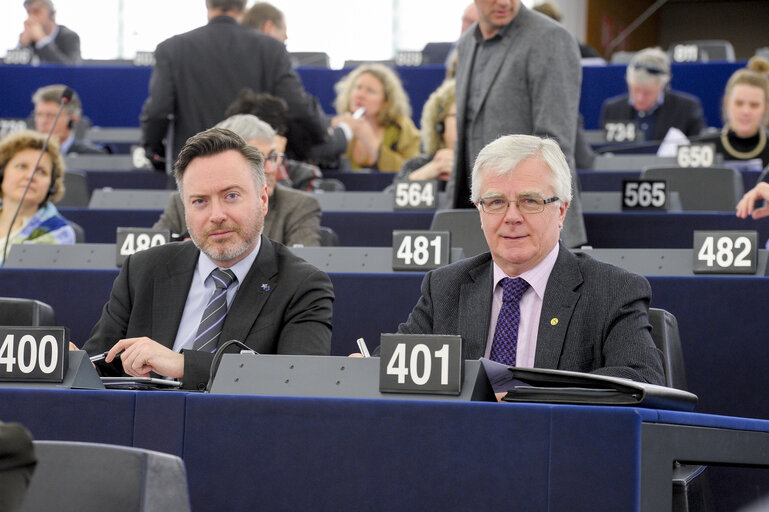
(70, 124)
(440, 126)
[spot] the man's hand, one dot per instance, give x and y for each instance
(141, 356)
(745, 207)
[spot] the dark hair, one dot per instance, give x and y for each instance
(260, 13)
(212, 142)
(270, 109)
(227, 5)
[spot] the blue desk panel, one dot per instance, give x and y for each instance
(355, 229)
(113, 95)
(721, 321)
(662, 230)
(288, 453)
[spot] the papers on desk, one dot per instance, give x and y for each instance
(147, 383)
(557, 386)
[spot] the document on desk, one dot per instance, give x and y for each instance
(557, 386)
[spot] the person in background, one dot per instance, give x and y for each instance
(267, 18)
(517, 72)
(651, 103)
(49, 41)
(371, 100)
(469, 16)
(745, 113)
(198, 74)
(274, 111)
(47, 101)
(551, 10)
(439, 134)
(293, 217)
(38, 221)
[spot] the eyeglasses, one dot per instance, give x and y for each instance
(526, 204)
(650, 68)
(275, 159)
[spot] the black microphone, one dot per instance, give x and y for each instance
(218, 355)
(66, 97)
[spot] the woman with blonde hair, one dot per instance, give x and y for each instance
(372, 103)
(439, 134)
(33, 219)
(745, 113)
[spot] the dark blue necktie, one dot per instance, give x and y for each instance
(505, 344)
(212, 321)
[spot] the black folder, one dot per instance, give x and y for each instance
(558, 386)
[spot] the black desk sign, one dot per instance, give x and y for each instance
(420, 250)
(131, 240)
(421, 363)
(725, 252)
(33, 354)
(415, 195)
(621, 131)
(644, 195)
(696, 155)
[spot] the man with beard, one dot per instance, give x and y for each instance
(171, 306)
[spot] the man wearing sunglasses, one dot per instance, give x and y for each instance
(293, 217)
(651, 103)
(530, 302)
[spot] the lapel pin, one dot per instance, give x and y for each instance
(265, 287)
(553, 321)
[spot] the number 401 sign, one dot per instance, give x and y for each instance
(421, 363)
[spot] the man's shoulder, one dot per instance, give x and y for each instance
(296, 197)
(616, 101)
(682, 98)
(461, 269)
(66, 32)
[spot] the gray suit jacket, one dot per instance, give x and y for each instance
(531, 88)
(293, 217)
(64, 49)
(602, 322)
(282, 307)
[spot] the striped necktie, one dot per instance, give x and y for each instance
(210, 328)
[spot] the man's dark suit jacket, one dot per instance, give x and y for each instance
(64, 49)
(679, 110)
(282, 307)
(594, 316)
(198, 74)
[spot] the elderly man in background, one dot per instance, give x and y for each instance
(47, 101)
(48, 41)
(651, 103)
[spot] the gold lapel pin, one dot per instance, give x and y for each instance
(553, 321)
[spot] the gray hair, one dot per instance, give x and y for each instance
(52, 93)
(249, 127)
(502, 156)
(46, 3)
(650, 65)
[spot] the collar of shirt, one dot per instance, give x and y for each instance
(206, 266)
(47, 39)
(530, 307)
(478, 35)
(66, 144)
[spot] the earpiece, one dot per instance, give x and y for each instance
(70, 124)
(440, 127)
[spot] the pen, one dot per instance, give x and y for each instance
(100, 357)
(363, 348)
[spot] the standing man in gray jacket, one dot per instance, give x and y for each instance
(518, 72)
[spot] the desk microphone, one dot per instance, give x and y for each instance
(218, 355)
(66, 97)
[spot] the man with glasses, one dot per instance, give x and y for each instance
(47, 101)
(530, 302)
(293, 217)
(650, 103)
